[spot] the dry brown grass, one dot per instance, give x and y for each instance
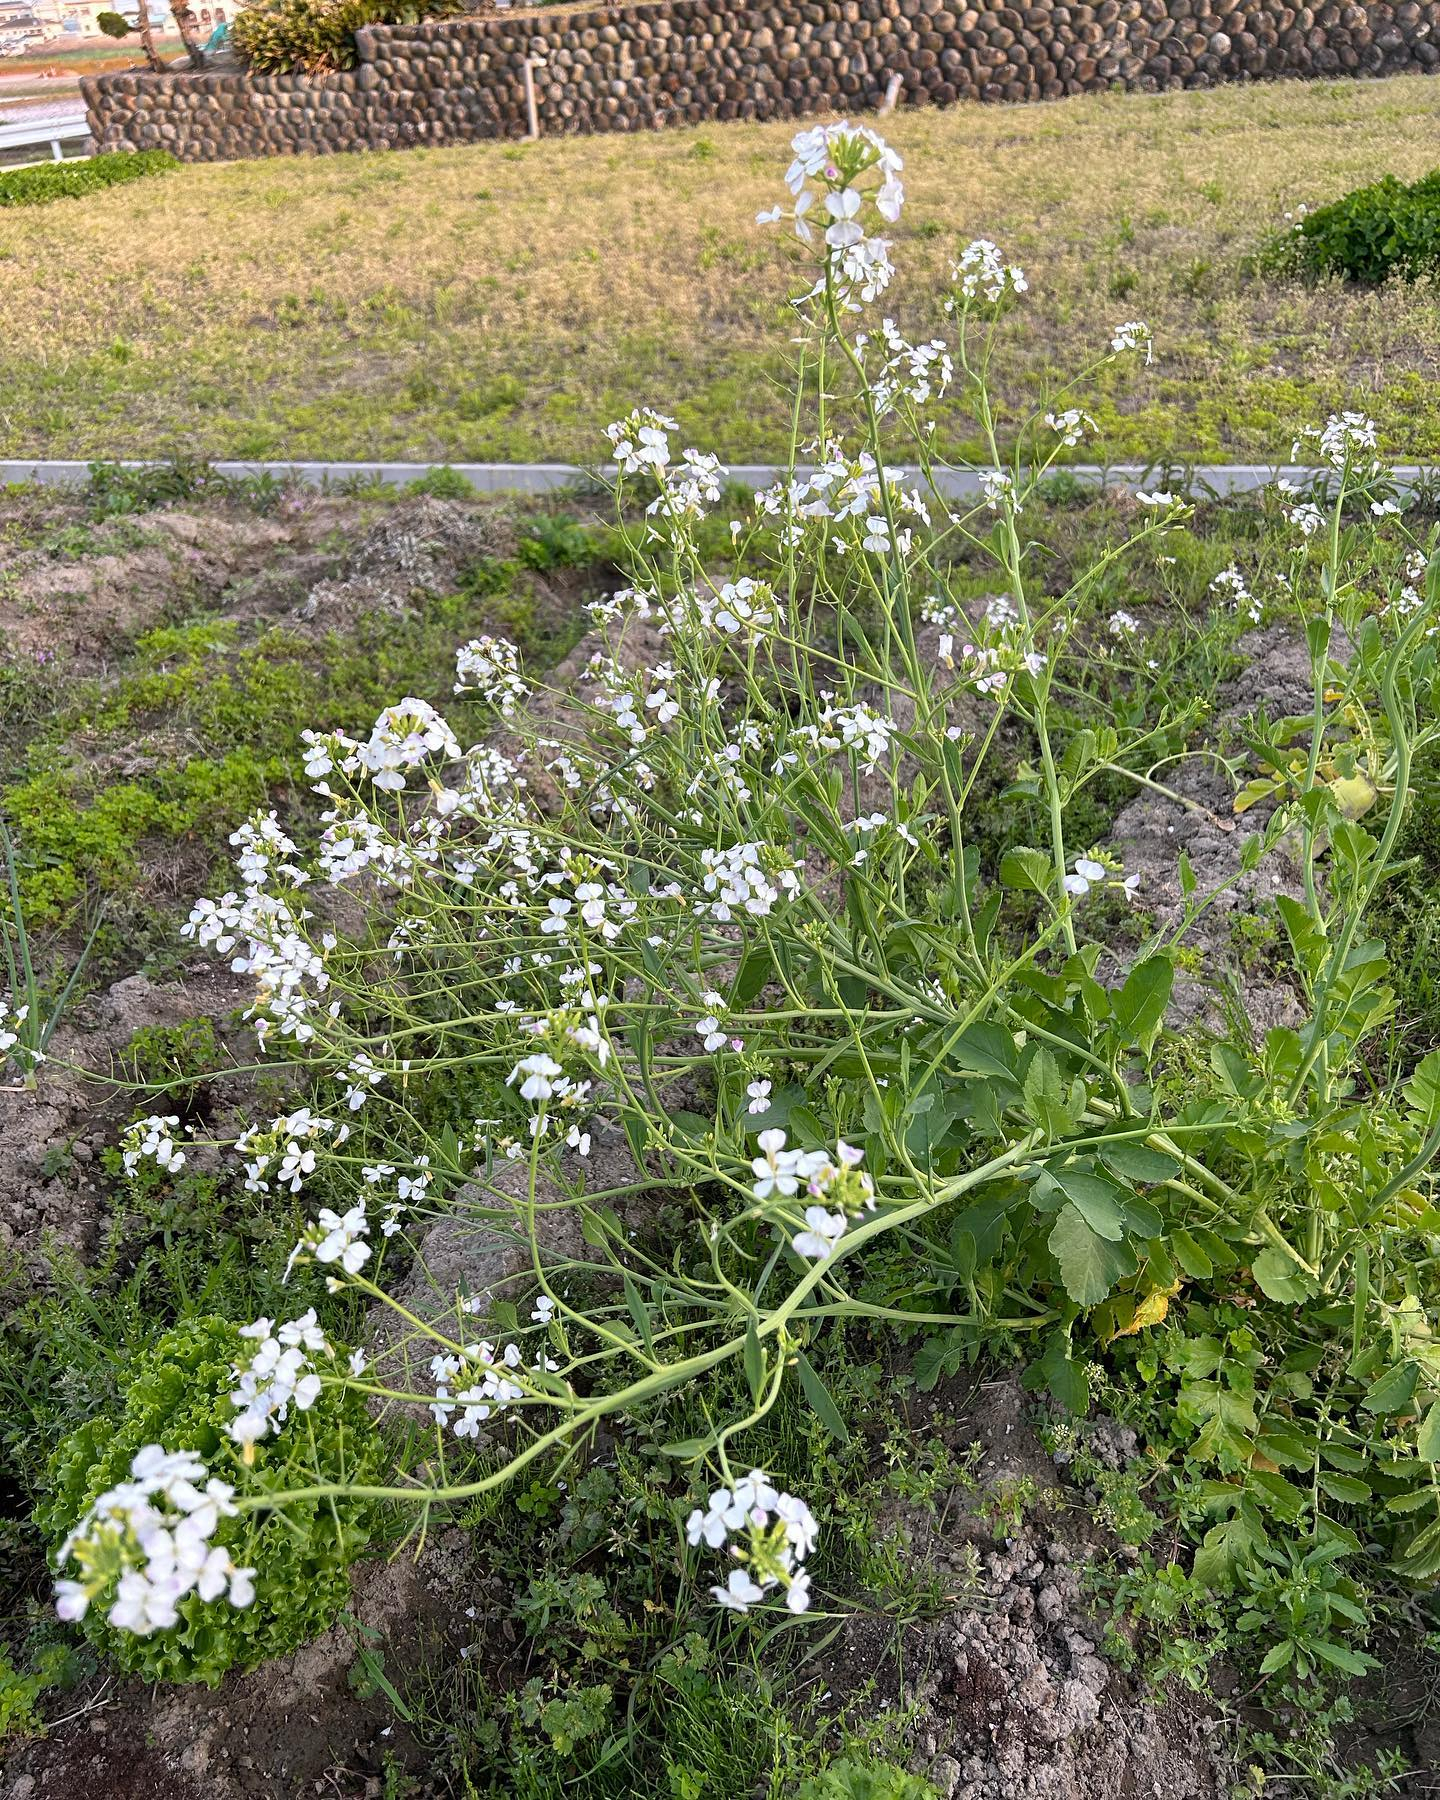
(506, 300)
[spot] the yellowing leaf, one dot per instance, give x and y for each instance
(1151, 1310)
(1354, 794)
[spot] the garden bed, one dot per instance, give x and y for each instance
(1000, 1633)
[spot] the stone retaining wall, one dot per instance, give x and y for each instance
(681, 61)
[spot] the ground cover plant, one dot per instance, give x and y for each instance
(1389, 228)
(553, 282)
(789, 1009)
(40, 185)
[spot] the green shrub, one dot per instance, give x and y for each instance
(319, 35)
(1376, 232)
(180, 1395)
(72, 181)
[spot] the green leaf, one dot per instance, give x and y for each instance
(1097, 1200)
(1139, 1007)
(1393, 1391)
(985, 1050)
(754, 1361)
(1134, 1161)
(1191, 1256)
(1278, 1278)
(1353, 1662)
(1027, 869)
(1278, 1656)
(1141, 1218)
(640, 1313)
(1064, 1377)
(1420, 1559)
(757, 968)
(964, 1252)
(1090, 1265)
(1345, 1488)
(1226, 1547)
(821, 1400)
(1044, 1095)
(1427, 1444)
(1422, 1090)
(1279, 1496)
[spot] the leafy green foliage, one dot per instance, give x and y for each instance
(1385, 229)
(179, 1392)
(316, 36)
(44, 182)
(848, 1780)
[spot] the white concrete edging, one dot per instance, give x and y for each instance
(547, 478)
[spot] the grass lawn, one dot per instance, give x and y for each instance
(506, 301)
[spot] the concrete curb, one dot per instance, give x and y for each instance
(549, 478)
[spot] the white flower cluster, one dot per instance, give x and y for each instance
(1071, 425)
(780, 1532)
(741, 609)
(280, 1374)
(150, 1536)
(851, 728)
(285, 1151)
(490, 1384)
(783, 1174)
(490, 667)
(747, 878)
(1090, 874)
(641, 446)
(914, 372)
(983, 273)
(402, 738)
(1134, 334)
(289, 970)
(1232, 583)
(829, 160)
(153, 1137)
(1344, 439)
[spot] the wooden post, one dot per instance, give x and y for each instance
(532, 111)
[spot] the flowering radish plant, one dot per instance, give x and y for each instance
(715, 924)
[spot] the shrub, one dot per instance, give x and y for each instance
(180, 1392)
(45, 182)
(1376, 232)
(316, 36)
(742, 914)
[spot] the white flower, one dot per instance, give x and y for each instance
(739, 1593)
(1071, 425)
(1087, 873)
(343, 1239)
(1156, 497)
(1134, 334)
(982, 272)
(153, 1137)
(774, 1168)
(758, 1093)
(490, 667)
(540, 1072)
(823, 1231)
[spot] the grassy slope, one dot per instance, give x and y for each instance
(508, 300)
